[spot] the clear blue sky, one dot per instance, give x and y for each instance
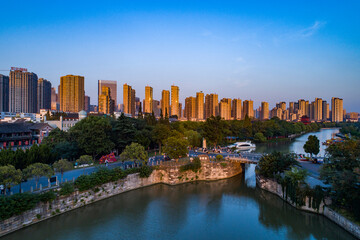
(260, 50)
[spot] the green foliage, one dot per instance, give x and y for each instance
(275, 163)
(224, 165)
(145, 171)
(85, 159)
(176, 147)
(48, 196)
(194, 138)
(312, 145)
(160, 133)
(341, 171)
(134, 151)
(214, 130)
(219, 157)
(194, 166)
(66, 189)
(38, 170)
(259, 137)
(62, 165)
(9, 176)
(296, 175)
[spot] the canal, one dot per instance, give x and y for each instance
(297, 144)
(226, 209)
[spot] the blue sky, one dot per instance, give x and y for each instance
(260, 50)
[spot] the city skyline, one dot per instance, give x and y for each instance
(259, 54)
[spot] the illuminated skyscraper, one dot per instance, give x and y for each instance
(113, 89)
(199, 107)
(106, 103)
(248, 108)
(44, 94)
(318, 109)
(55, 101)
(225, 109)
(264, 111)
(211, 105)
(337, 110)
(302, 108)
(190, 107)
(129, 99)
(165, 103)
(72, 93)
(4, 93)
(175, 101)
(236, 112)
(148, 101)
(22, 91)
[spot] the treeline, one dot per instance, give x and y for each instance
(351, 128)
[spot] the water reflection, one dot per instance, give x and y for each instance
(226, 209)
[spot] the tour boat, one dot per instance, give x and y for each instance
(243, 145)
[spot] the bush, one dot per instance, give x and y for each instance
(194, 166)
(145, 171)
(275, 163)
(66, 189)
(219, 157)
(17, 204)
(47, 196)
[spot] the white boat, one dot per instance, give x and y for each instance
(243, 145)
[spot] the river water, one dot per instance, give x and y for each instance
(226, 209)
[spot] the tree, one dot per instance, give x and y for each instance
(9, 176)
(275, 163)
(312, 145)
(123, 132)
(194, 138)
(38, 170)
(175, 147)
(297, 175)
(160, 133)
(61, 166)
(93, 135)
(219, 158)
(259, 137)
(134, 151)
(85, 159)
(214, 130)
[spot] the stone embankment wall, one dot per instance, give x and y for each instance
(167, 175)
(276, 188)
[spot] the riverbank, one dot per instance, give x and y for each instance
(171, 175)
(276, 188)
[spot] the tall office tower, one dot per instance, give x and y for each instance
(113, 89)
(337, 109)
(224, 109)
(138, 106)
(302, 108)
(55, 103)
(211, 105)
(87, 104)
(156, 108)
(4, 93)
(175, 101)
(325, 111)
(129, 99)
(165, 103)
(72, 93)
(148, 101)
(318, 109)
(236, 112)
(291, 107)
(106, 103)
(22, 91)
(248, 108)
(199, 106)
(44, 94)
(190, 108)
(264, 111)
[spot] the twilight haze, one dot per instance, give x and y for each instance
(260, 50)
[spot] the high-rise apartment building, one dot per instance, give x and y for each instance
(291, 108)
(129, 99)
(225, 109)
(337, 110)
(236, 112)
(156, 108)
(165, 103)
(190, 108)
(22, 91)
(264, 111)
(72, 93)
(175, 101)
(113, 89)
(318, 109)
(211, 105)
(199, 106)
(87, 104)
(302, 108)
(4, 93)
(148, 101)
(106, 103)
(55, 101)
(248, 108)
(325, 111)
(44, 94)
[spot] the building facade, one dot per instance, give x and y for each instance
(264, 111)
(44, 94)
(72, 93)
(165, 103)
(129, 99)
(248, 108)
(337, 110)
(113, 89)
(4, 93)
(199, 106)
(148, 101)
(211, 105)
(175, 101)
(236, 110)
